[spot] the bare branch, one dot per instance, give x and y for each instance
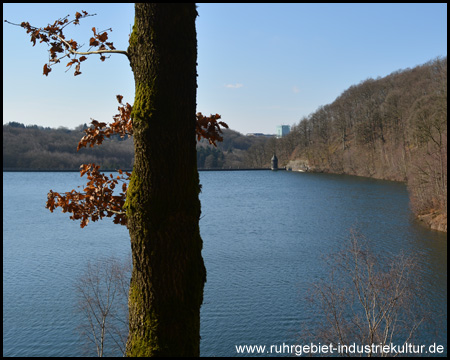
(91, 52)
(102, 293)
(366, 303)
(54, 37)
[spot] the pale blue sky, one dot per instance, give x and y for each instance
(259, 65)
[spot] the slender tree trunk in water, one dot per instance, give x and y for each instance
(163, 206)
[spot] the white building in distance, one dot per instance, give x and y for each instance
(283, 130)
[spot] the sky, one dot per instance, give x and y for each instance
(259, 65)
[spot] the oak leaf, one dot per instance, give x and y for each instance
(46, 70)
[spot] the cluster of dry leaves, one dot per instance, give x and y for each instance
(60, 47)
(97, 199)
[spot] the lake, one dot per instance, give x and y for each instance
(265, 234)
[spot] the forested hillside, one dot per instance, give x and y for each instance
(390, 128)
(37, 148)
(231, 153)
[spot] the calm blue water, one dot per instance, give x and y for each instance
(264, 234)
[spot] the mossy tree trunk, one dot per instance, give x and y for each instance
(163, 206)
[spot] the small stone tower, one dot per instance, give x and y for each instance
(274, 162)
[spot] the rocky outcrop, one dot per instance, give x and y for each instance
(435, 221)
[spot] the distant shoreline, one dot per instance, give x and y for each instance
(129, 170)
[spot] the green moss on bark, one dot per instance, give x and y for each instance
(142, 343)
(143, 103)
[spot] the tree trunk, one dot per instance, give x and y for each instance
(162, 205)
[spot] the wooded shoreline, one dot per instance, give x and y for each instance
(129, 170)
(392, 128)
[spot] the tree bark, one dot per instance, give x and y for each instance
(162, 205)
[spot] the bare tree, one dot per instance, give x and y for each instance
(366, 303)
(102, 293)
